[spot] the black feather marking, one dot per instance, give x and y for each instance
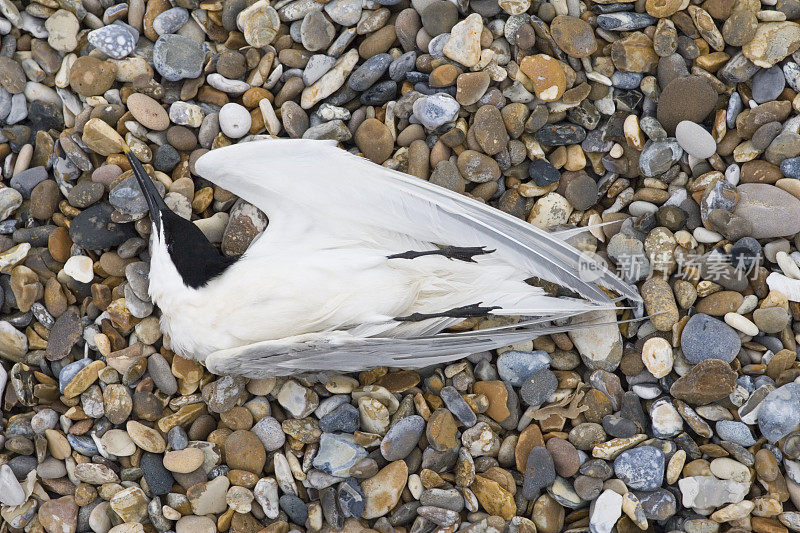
(460, 253)
(466, 311)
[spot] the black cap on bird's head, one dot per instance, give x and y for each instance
(195, 258)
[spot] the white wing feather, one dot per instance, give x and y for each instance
(296, 180)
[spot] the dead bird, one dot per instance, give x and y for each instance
(360, 266)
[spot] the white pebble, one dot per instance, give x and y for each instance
(79, 268)
(640, 207)
(11, 493)
(706, 235)
(748, 304)
(607, 510)
(415, 486)
(657, 356)
(733, 173)
(741, 323)
(695, 140)
(234, 120)
(788, 266)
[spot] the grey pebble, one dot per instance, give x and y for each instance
(114, 40)
(402, 438)
(171, 20)
(538, 387)
(705, 337)
(176, 57)
(640, 468)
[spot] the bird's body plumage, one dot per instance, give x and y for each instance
(318, 290)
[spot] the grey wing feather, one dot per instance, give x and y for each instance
(339, 351)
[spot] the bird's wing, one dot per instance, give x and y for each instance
(306, 185)
(339, 351)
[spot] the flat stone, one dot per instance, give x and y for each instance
(705, 337)
(708, 381)
(176, 57)
(777, 414)
(640, 468)
(773, 212)
(113, 40)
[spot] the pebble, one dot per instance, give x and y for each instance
(176, 57)
(695, 140)
(720, 341)
(11, 493)
(776, 417)
(114, 40)
(759, 203)
(234, 120)
(538, 387)
(640, 468)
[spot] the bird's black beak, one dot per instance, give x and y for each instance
(155, 203)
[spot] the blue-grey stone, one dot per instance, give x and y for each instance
(402, 438)
(735, 431)
(5, 103)
(779, 414)
(19, 109)
(640, 468)
(380, 93)
(705, 337)
(177, 438)
(515, 366)
(538, 387)
(83, 444)
(415, 76)
(22, 465)
(177, 57)
(337, 454)
(735, 106)
(158, 478)
(458, 406)
(369, 72)
(768, 83)
(745, 253)
(437, 44)
(658, 157)
(127, 197)
(658, 505)
(435, 110)
(317, 66)
(171, 20)
(113, 40)
(295, 508)
(351, 498)
(790, 167)
(25, 181)
(540, 472)
(343, 419)
(69, 372)
(626, 80)
(626, 21)
(397, 68)
(166, 158)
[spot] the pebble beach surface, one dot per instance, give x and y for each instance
(674, 122)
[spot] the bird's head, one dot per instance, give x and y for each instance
(177, 242)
